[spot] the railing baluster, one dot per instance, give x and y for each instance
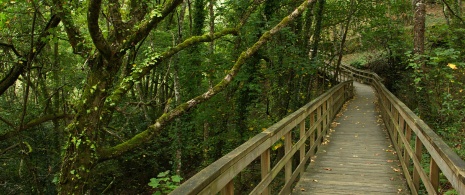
(302, 148)
(434, 174)
(265, 168)
(418, 154)
(228, 189)
(312, 135)
(395, 124)
(408, 136)
(319, 127)
(288, 166)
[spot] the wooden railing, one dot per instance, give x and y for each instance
(410, 135)
(312, 122)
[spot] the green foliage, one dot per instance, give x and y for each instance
(164, 183)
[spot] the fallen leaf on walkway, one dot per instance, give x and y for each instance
(315, 180)
(328, 169)
(392, 179)
(302, 189)
(390, 161)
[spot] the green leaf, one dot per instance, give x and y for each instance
(154, 183)
(176, 178)
(163, 174)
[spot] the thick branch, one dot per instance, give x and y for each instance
(33, 123)
(166, 118)
(94, 29)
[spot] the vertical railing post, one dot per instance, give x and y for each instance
(228, 189)
(320, 124)
(395, 123)
(265, 168)
(312, 135)
(325, 119)
(402, 131)
(418, 154)
(408, 136)
(288, 166)
(302, 148)
(434, 174)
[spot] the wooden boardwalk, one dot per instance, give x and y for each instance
(358, 157)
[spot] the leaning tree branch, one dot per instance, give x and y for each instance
(98, 39)
(7, 122)
(154, 129)
(126, 85)
(75, 38)
(12, 47)
(19, 67)
(453, 13)
(33, 123)
(148, 26)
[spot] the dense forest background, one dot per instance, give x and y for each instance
(101, 96)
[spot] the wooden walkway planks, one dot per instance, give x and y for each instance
(358, 158)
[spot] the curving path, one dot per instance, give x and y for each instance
(358, 157)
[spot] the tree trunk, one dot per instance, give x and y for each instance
(344, 37)
(419, 27)
(317, 32)
(419, 48)
(80, 151)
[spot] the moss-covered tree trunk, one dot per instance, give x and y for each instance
(83, 134)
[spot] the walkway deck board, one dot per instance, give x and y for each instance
(358, 158)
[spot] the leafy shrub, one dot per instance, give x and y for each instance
(164, 183)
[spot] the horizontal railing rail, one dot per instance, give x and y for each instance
(410, 135)
(312, 122)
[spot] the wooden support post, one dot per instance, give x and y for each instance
(265, 169)
(302, 148)
(401, 131)
(418, 154)
(325, 120)
(408, 136)
(288, 166)
(434, 174)
(228, 189)
(395, 122)
(312, 135)
(319, 127)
